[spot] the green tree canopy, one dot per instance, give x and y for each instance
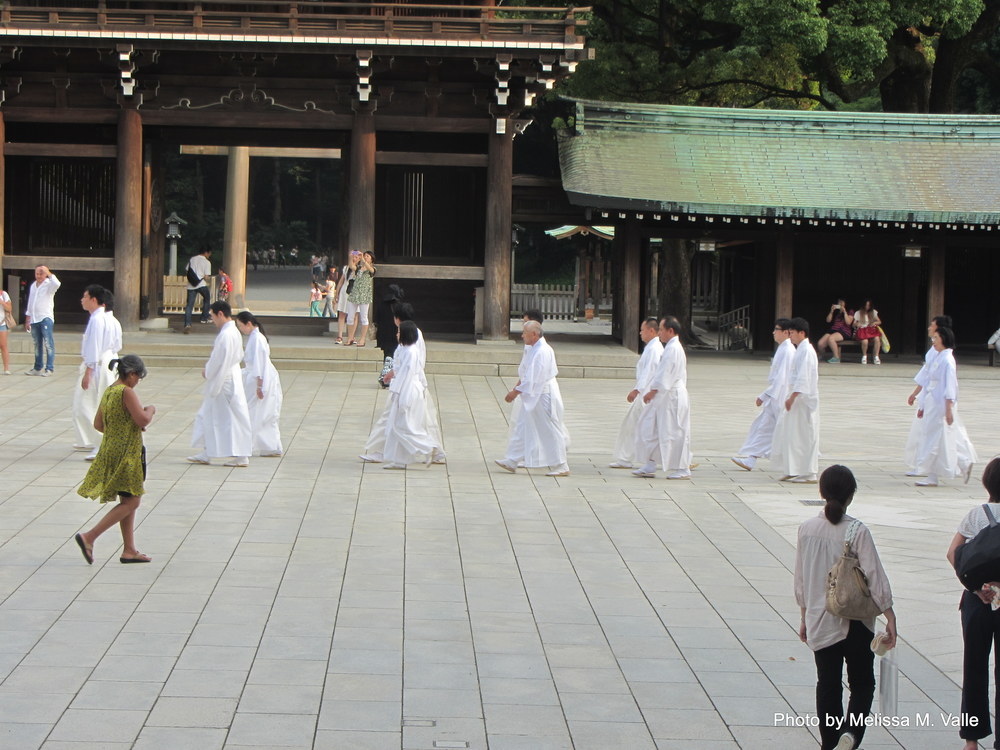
(894, 55)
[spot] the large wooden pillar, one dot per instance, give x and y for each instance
(784, 275)
(935, 279)
(3, 195)
(153, 230)
(234, 251)
(499, 200)
(361, 219)
(128, 220)
(628, 248)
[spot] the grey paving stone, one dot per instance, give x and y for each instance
(284, 730)
(170, 738)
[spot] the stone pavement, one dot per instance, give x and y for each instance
(314, 601)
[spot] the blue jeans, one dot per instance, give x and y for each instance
(205, 302)
(41, 332)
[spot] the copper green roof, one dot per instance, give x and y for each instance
(767, 163)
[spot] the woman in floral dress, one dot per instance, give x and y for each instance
(119, 470)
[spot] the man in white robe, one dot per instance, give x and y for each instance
(795, 450)
(222, 426)
(538, 437)
(94, 376)
(664, 431)
(113, 330)
(771, 402)
(922, 378)
(645, 368)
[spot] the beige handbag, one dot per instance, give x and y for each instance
(9, 319)
(847, 591)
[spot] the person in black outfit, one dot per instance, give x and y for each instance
(385, 326)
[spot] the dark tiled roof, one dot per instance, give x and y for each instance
(823, 165)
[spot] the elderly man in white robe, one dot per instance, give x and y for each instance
(664, 430)
(645, 368)
(538, 437)
(94, 374)
(771, 402)
(795, 450)
(222, 426)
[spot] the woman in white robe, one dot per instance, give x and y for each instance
(408, 437)
(262, 387)
(943, 447)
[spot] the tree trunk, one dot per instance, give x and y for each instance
(675, 285)
(908, 87)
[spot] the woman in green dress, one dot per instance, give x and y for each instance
(359, 298)
(119, 470)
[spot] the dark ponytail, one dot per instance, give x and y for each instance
(247, 318)
(837, 486)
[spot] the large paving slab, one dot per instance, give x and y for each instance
(316, 602)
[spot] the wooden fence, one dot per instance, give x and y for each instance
(554, 301)
(734, 330)
(175, 294)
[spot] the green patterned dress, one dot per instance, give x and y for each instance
(118, 468)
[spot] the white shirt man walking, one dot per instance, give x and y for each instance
(771, 402)
(39, 318)
(795, 450)
(664, 430)
(645, 369)
(538, 437)
(222, 427)
(94, 376)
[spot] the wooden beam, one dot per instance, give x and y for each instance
(499, 196)
(629, 302)
(361, 199)
(935, 279)
(234, 251)
(784, 275)
(431, 159)
(451, 273)
(3, 197)
(80, 150)
(128, 220)
(58, 263)
(266, 151)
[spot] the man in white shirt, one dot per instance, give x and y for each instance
(199, 266)
(39, 319)
(771, 402)
(664, 430)
(537, 435)
(645, 368)
(94, 374)
(222, 427)
(795, 450)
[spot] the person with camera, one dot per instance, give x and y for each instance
(841, 321)
(359, 295)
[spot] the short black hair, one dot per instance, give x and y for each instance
(669, 321)
(222, 307)
(535, 315)
(407, 332)
(128, 364)
(402, 311)
(651, 322)
(837, 486)
(799, 324)
(96, 291)
(783, 324)
(942, 321)
(109, 300)
(991, 479)
(947, 337)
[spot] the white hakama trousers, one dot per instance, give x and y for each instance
(538, 438)
(664, 431)
(761, 436)
(87, 402)
(222, 426)
(625, 445)
(942, 450)
(795, 448)
(407, 438)
(264, 414)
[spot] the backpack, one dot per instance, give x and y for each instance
(847, 592)
(193, 278)
(978, 560)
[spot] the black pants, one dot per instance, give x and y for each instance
(856, 651)
(980, 630)
(205, 302)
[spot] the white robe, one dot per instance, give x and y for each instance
(795, 448)
(407, 437)
(93, 355)
(538, 436)
(222, 425)
(664, 430)
(761, 435)
(922, 378)
(264, 412)
(645, 368)
(943, 450)
(113, 334)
